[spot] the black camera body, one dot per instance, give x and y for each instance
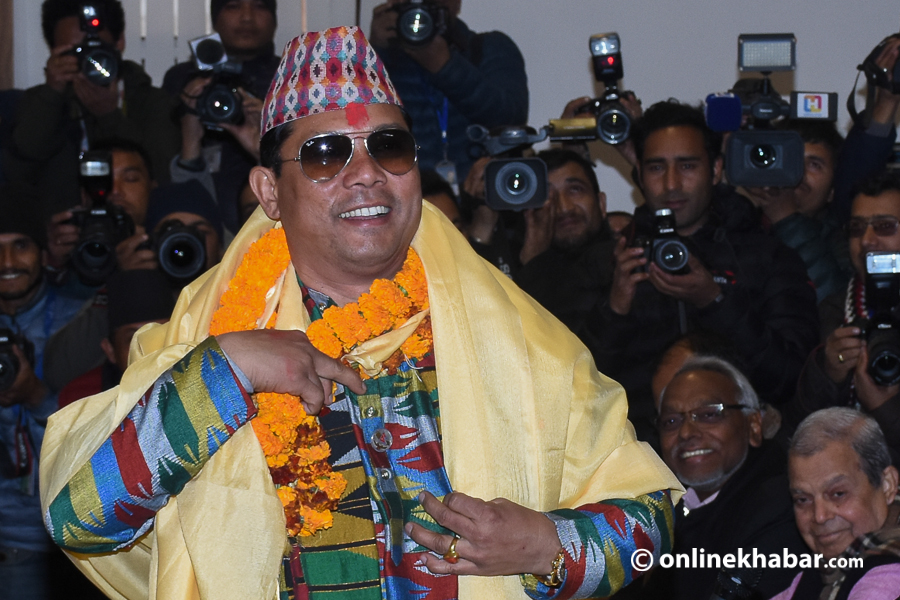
(420, 21)
(511, 181)
(759, 155)
(613, 121)
(664, 247)
(882, 329)
(875, 75)
(98, 60)
(180, 250)
(102, 226)
(220, 101)
(9, 362)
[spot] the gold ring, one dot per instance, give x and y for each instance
(840, 358)
(450, 555)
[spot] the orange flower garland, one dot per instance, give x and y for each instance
(293, 442)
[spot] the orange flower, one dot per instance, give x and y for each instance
(293, 441)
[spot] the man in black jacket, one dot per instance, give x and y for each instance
(740, 282)
(222, 159)
(711, 435)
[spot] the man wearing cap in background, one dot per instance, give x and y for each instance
(135, 299)
(29, 313)
(222, 159)
(472, 392)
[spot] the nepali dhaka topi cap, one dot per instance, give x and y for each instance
(321, 71)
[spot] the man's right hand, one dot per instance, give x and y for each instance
(191, 127)
(131, 255)
(61, 68)
(842, 350)
(285, 362)
(384, 25)
(886, 104)
(62, 236)
(625, 278)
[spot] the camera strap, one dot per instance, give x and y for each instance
(870, 101)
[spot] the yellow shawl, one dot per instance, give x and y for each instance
(525, 416)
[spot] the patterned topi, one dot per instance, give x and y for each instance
(321, 71)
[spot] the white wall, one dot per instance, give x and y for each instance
(683, 49)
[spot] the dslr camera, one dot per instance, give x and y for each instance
(180, 250)
(511, 181)
(419, 21)
(98, 60)
(882, 329)
(9, 362)
(103, 225)
(664, 247)
(220, 101)
(758, 155)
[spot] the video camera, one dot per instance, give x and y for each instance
(98, 60)
(512, 182)
(420, 21)
(220, 101)
(665, 247)
(180, 250)
(758, 155)
(9, 362)
(882, 330)
(103, 226)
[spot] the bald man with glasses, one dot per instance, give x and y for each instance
(837, 373)
(418, 425)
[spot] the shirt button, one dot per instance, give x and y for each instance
(382, 439)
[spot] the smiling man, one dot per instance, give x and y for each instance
(710, 432)
(565, 256)
(740, 283)
(845, 502)
(452, 466)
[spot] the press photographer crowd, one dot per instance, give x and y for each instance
(749, 306)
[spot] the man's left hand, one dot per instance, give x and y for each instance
(696, 287)
(870, 394)
(432, 56)
(99, 100)
(496, 538)
(27, 389)
(539, 224)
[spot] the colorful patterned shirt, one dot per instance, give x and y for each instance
(387, 444)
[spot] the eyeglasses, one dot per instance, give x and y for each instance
(884, 226)
(322, 157)
(711, 414)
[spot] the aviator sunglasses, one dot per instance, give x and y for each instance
(323, 156)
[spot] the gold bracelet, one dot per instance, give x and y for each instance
(557, 571)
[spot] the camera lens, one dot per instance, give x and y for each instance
(884, 356)
(100, 66)
(671, 256)
(182, 255)
(516, 183)
(210, 51)
(221, 104)
(763, 156)
(416, 26)
(613, 125)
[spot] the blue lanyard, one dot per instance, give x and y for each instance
(444, 121)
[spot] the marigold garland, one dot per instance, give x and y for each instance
(293, 442)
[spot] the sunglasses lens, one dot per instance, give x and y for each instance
(394, 149)
(885, 227)
(323, 157)
(857, 229)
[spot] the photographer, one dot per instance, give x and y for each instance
(28, 305)
(76, 348)
(740, 283)
(836, 373)
(70, 112)
(456, 79)
(222, 159)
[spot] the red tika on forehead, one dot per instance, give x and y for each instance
(321, 71)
